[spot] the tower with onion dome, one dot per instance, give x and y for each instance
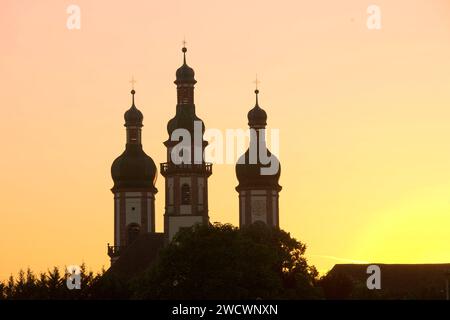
(185, 171)
(134, 175)
(258, 172)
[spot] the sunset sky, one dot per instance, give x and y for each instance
(364, 119)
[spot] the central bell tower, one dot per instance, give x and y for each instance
(186, 180)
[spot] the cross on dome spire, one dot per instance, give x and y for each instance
(256, 82)
(132, 81)
(184, 49)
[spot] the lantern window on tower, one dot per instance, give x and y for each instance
(185, 194)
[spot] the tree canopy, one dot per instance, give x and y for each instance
(215, 261)
(223, 262)
(48, 285)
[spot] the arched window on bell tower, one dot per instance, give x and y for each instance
(185, 194)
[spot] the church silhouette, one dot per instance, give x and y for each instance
(136, 244)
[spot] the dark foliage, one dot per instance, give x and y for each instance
(337, 286)
(223, 262)
(48, 285)
(203, 262)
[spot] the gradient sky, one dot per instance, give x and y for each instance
(364, 119)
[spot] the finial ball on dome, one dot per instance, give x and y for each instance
(184, 49)
(256, 91)
(133, 92)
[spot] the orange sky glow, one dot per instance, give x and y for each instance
(364, 119)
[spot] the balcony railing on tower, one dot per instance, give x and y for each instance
(169, 167)
(114, 251)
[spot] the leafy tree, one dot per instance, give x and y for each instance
(337, 285)
(203, 262)
(223, 262)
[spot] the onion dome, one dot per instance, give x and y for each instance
(251, 175)
(184, 119)
(185, 74)
(185, 116)
(252, 171)
(257, 117)
(133, 117)
(134, 169)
